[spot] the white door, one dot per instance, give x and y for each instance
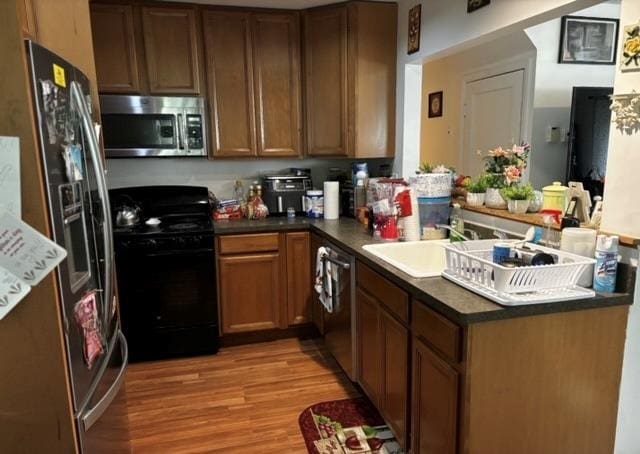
(492, 117)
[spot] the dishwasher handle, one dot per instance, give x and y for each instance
(338, 262)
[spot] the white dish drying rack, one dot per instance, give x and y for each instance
(470, 265)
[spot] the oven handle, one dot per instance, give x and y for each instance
(180, 132)
(174, 252)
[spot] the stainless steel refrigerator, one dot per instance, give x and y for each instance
(81, 223)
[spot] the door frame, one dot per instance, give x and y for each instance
(525, 62)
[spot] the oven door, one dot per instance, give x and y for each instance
(131, 135)
(164, 294)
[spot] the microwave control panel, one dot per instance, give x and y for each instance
(194, 132)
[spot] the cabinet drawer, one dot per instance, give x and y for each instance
(436, 330)
(238, 244)
(391, 296)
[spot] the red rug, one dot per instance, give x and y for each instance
(346, 427)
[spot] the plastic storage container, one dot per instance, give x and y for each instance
(434, 211)
(555, 197)
(314, 203)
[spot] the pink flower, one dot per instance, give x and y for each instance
(498, 152)
(512, 174)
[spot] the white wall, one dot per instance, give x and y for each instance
(553, 93)
(442, 137)
(218, 176)
(447, 28)
(622, 215)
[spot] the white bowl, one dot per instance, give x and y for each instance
(152, 222)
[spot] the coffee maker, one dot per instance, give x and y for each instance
(286, 190)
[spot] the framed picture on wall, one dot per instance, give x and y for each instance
(631, 48)
(474, 5)
(588, 40)
(435, 104)
(413, 41)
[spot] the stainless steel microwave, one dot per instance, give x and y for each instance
(153, 126)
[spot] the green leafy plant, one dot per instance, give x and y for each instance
(495, 180)
(480, 185)
(426, 167)
(518, 192)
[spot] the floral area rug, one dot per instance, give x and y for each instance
(350, 426)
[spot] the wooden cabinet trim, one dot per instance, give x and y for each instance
(262, 74)
(27, 19)
(152, 60)
(255, 242)
(369, 375)
(436, 331)
(394, 299)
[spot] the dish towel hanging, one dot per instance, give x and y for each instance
(324, 282)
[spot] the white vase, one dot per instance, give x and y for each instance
(518, 206)
(475, 199)
(493, 199)
(434, 184)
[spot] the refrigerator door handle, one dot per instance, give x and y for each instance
(80, 102)
(92, 415)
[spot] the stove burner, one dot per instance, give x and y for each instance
(183, 226)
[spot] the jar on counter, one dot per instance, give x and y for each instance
(314, 203)
(555, 197)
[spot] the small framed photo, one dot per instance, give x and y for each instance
(474, 5)
(588, 40)
(435, 104)
(631, 48)
(413, 40)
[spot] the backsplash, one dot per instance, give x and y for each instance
(219, 176)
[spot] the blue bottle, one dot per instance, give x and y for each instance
(604, 277)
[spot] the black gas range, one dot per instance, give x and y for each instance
(166, 272)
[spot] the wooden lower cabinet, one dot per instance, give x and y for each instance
(369, 346)
(264, 281)
(395, 342)
(383, 349)
(250, 292)
(435, 403)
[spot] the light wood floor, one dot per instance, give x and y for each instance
(246, 399)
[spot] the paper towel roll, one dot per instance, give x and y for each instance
(331, 200)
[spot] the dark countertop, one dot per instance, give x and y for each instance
(447, 298)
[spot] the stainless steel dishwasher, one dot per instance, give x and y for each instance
(339, 325)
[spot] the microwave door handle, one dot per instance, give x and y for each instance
(80, 103)
(180, 132)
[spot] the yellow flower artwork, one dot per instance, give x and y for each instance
(631, 48)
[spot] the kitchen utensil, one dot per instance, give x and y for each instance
(501, 252)
(128, 216)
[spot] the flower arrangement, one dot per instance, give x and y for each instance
(506, 166)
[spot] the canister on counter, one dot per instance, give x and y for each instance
(314, 203)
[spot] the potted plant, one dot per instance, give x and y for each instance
(504, 168)
(476, 191)
(518, 197)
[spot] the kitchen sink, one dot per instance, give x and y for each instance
(416, 258)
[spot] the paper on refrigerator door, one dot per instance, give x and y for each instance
(25, 252)
(12, 291)
(10, 175)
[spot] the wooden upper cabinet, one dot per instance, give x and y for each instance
(326, 81)
(276, 56)
(350, 70)
(114, 48)
(227, 40)
(27, 18)
(172, 51)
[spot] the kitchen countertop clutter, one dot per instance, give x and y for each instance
(450, 300)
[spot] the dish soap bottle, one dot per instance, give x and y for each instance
(604, 278)
(457, 224)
